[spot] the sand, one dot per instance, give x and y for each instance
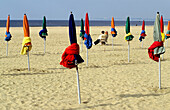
(108, 83)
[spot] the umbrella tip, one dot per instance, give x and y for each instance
(71, 12)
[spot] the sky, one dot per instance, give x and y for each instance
(97, 9)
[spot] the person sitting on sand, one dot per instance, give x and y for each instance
(99, 38)
(104, 38)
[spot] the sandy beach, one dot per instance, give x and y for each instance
(108, 83)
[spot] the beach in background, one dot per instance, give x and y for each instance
(109, 81)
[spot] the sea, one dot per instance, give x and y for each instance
(55, 23)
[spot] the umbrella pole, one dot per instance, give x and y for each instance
(44, 45)
(81, 45)
(128, 51)
(167, 43)
(7, 49)
(87, 57)
(142, 44)
(112, 42)
(159, 73)
(28, 58)
(78, 84)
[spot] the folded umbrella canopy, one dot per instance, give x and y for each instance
(162, 29)
(113, 30)
(128, 36)
(142, 35)
(26, 44)
(87, 37)
(71, 57)
(168, 32)
(43, 32)
(156, 49)
(7, 34)
(82, 32)
(72, 51)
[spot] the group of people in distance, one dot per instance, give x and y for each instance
(102, 39)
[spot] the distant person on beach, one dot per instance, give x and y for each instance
(102, 39)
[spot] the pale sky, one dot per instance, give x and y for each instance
(97, 9)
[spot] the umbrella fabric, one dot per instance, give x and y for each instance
(168, 32)
(82, 32)
(142, 35)
(128, 36)
(72, 30)
(156, 46)
(68, 57)
(71, 53)
(87, 37)
(26, 44)
(113, 30)
(162, 29)
(43, 32)
(7, 34)
(156, 49)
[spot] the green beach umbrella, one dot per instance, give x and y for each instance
(43, 32)
(44, 27)
(128, 36)
(82, 32)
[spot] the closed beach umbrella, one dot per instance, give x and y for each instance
(7, 34)
(71, 57)
(82, 32)
(142, 35)
(156, 49)
(128, 36)
(43, 32)
(87, 37)
(167, 34)
(26, 44)
(162, 29)
(113, 30)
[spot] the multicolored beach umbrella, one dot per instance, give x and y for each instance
(87, 37)
(113, 30)
(26, 43)
(71, 53)
(7, 34)
(156, 49)
(43, 32)
(168, 32)
(128, 36)
(71, 57)
(142, 35)
(162, 29)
